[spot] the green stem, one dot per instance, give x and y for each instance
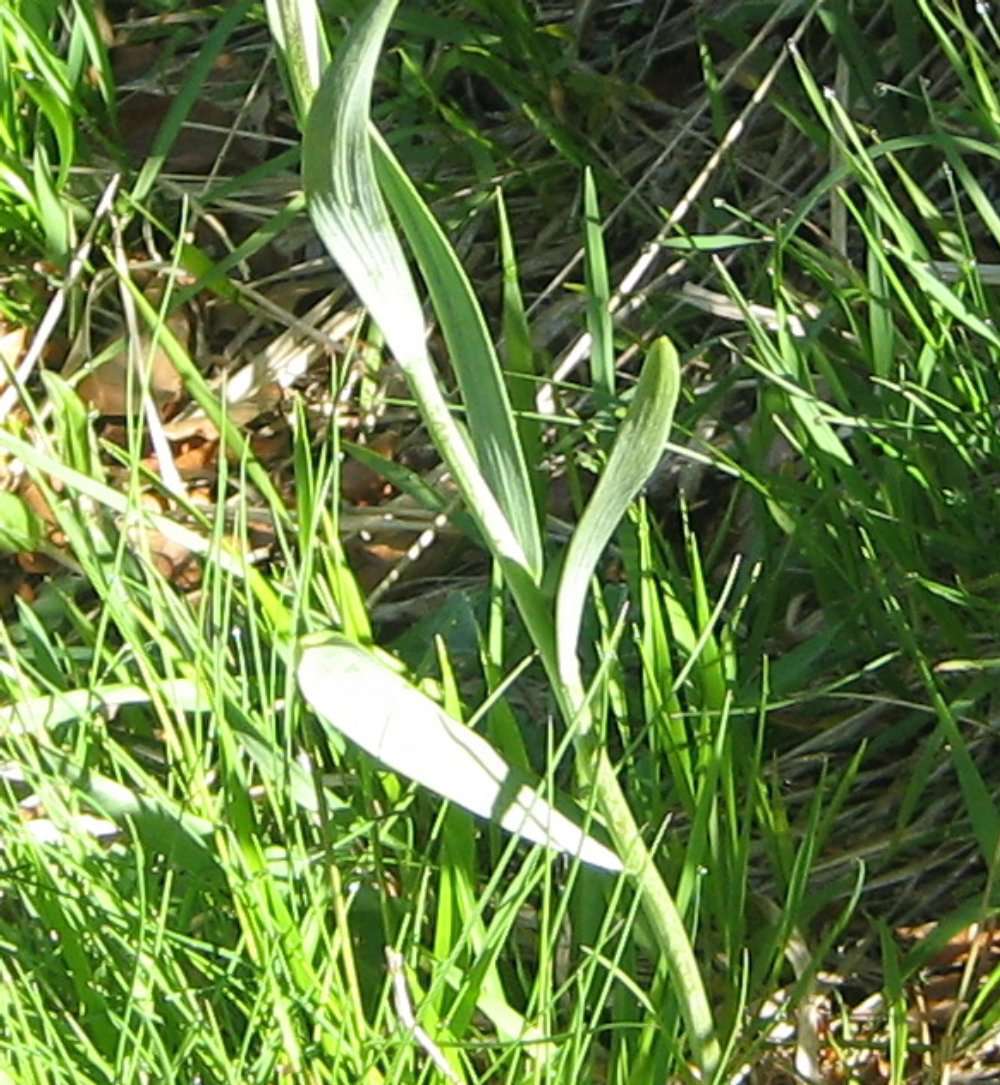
(659, 907)
(598, 774)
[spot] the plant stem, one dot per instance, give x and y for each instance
(598, 774)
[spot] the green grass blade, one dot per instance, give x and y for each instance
(602, 351)
(42, 713)
(186, 98)
(519, 355)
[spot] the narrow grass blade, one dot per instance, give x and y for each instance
(895, 999)
(602, 351)
(518, 350)
(183, 102)
(351, 691)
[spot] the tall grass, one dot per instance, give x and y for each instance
(756, 674)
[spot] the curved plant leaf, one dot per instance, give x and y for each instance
(298, 33)
(360, 697)
(351, 218)
(637, 450)
(492, 425)
(38, 714)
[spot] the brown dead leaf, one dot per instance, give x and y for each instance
(362, 485)
(36, 501)
(38, 564)
(372, 559)
(174, 561)
(263, 402)
(200, 141)
(106, 389)
(13, 341)
(133, 60)
(984, 938)
(270, 447)
(197, 458)
(25, 591)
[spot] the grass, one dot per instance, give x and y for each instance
(711, 568)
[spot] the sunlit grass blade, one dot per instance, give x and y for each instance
(518, 352)
(42, 713)
(602, 350)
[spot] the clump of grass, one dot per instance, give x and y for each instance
(782, 658)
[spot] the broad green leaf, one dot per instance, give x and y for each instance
(298, 32)
(351, 218)
(52, 209)
(491, 421)
(636, 452)
(360, 697)
(38, 714)
(162, 824)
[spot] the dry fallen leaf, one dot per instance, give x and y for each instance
(106, 389)
(362, 485)
(199, 143)
(12, 344)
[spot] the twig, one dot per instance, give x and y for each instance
(401, 1000)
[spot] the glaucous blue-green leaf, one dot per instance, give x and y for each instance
(492, 426)
(636, 451)
(351, 691)
(350, 215)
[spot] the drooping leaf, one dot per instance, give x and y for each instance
(41, 714)
(492, 426)
(353, 692)
(350, 215)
